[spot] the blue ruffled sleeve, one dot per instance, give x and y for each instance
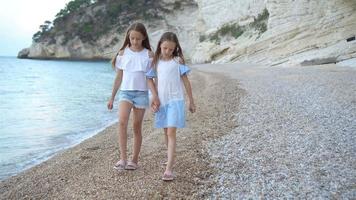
(184, 70)
(151, 73)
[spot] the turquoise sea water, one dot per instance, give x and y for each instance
(47, 106)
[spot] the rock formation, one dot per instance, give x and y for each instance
(283, 32)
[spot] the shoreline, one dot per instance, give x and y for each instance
(95, 59)
(57, 113)
(256, 133)
(50, 154)
(86, 170)
(69, 59)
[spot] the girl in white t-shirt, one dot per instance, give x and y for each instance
(131, 64)
(171, 76)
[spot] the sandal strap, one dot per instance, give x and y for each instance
(131, 165)
(120, 163)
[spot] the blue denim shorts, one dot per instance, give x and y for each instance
(139, 99)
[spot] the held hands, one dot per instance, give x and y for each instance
(110, 104)
(155, 104)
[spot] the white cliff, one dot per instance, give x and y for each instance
(292, 33)
(213, 14)
(298, 32)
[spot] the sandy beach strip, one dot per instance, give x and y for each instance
(86, 170)
(259, 132)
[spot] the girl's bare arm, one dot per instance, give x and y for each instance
(152, 86)
(188, 89)
(117, 84)
(155, 100)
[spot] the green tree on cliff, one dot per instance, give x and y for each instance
(70, 7)
(44, 28)
(73, 6)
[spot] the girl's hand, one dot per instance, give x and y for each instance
(155, 104)
(192, 107)
(110, 104)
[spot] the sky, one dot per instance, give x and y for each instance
(20, 19)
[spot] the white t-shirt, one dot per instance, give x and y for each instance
(134, 66)
(170, 84)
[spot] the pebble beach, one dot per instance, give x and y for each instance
(259, 132)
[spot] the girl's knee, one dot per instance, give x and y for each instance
(171, 132)
(123, 123)
(137, 125)
(137, 132)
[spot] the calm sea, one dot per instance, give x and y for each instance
(48, 106)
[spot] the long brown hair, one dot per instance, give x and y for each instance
(139, 27)
(172, 37)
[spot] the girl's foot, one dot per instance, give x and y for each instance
(131, 166)
(168, 176)
(120, 165)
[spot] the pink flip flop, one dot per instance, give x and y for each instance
(168, 177)
(131, 166)
(120, 165)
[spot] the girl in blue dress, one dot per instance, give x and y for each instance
(170, 74)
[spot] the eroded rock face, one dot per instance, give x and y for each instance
(308, 32)
(305, 30)
(214, 14)
(297, 32)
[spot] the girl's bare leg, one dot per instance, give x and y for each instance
(165, 137)
(171, 133)
(124, 114)
(137, 127)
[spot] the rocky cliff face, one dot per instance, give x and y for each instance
(298, 32)
(283, 32)
(79, 35)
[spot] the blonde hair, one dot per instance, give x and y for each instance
(139, 27)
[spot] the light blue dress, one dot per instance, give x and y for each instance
(170, 93)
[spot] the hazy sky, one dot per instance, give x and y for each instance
(20, 19)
